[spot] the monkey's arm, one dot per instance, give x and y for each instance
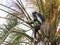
(30, 22)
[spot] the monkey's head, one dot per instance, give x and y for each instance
(34, 15)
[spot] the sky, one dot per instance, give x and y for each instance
(2, 14)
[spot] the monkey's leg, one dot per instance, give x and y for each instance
(35, 40)
(36, 28)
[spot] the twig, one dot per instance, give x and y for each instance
(8, 7)
(17, 17)
(21, 4)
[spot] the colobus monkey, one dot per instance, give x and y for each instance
(39, 18)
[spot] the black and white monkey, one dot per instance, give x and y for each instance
(38, 21)
(37, 18)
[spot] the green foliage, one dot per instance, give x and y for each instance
(46, 8)
(12, 23)
(58, 17)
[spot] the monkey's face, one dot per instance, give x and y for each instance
(34, 16)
